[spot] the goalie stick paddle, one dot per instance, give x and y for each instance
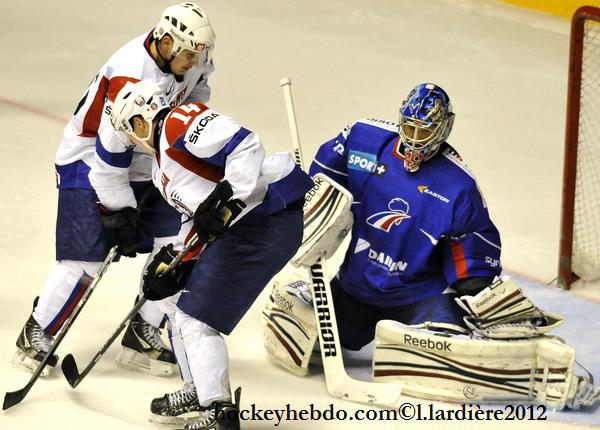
(339, 383)
(14, 397)
(69, 365)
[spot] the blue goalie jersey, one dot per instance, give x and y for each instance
(414, 234)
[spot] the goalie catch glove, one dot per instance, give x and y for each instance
(158, 285)
(212, 216)
(502, 311)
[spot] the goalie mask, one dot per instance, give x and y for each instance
(144, 99)
(426, 120)
(189, 28)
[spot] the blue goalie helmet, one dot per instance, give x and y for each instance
(426, 120)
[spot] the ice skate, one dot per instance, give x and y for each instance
(32, 345)
(220, 415)
(178, 407)
(144, 351)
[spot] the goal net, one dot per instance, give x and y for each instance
(580, 221)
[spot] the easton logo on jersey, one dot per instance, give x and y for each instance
(398, 212)
(425, 190)
(365, 162)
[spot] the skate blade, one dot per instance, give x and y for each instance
(130, 359)
(178, 420)
(23, 361)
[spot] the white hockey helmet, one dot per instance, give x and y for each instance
(143, 98)
(189, 27)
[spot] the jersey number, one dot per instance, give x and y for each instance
(189, 109)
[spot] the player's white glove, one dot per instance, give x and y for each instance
(502, 311)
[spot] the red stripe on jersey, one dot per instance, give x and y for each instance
(460, 261)
(180, 119)
(176, 125)
(116, 84)
(91, 121)
(195, 165)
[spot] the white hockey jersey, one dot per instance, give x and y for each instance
(199, 147)
(91, 154)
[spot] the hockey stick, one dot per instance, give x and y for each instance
(69, 365)
(339, 383)
(286, 85)
(14, 397)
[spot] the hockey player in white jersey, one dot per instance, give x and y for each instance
(205, 161)
(93, 165)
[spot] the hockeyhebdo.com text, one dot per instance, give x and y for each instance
(406, 412)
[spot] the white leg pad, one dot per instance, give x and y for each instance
(290, 332)
(458, 368)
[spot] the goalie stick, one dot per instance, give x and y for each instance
(69, 365)
(339, 383)
(14, 397)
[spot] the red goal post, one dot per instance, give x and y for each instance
(580, 221)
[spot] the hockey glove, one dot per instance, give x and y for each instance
(158, 285)
(120, 228)
(212, 216)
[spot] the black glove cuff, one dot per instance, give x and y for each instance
(472, 286)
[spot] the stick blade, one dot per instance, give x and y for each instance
(371, 393)
(12, 398)
(69, 369)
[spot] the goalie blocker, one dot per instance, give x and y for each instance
(327, 220)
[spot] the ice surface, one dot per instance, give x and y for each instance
(505, 70)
